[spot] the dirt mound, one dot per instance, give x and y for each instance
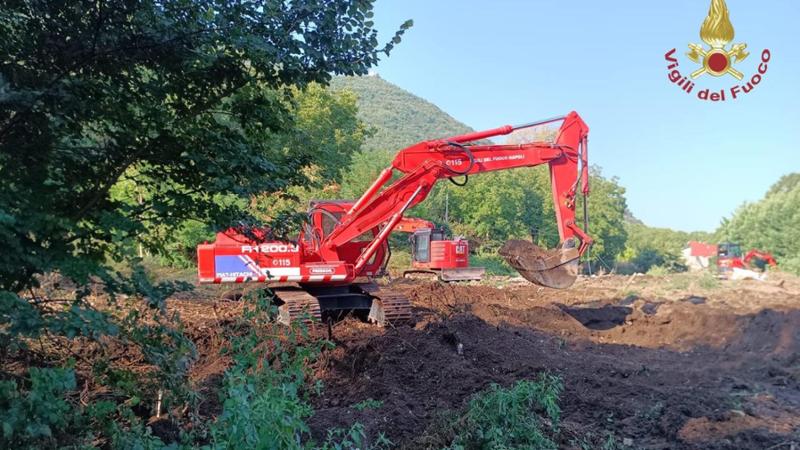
(679, 371)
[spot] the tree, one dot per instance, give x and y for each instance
(187, 102)
(770, 224)
(648, 247)
(607, 208)
(190, 94)
(495, 207)
(328, 127)
(324, 126)
(785, 184)
(513, 204)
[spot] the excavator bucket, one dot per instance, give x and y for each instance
(557, 268)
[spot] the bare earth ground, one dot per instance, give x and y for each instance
(647, 362)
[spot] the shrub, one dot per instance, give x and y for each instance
(708, 279)
(506, 418)
(264, 405)
(658, 271)
(34, 418)
(265, 397)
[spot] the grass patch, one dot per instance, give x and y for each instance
(679, 282)
(399, 262)
(494, 264)
(631, 293)
(507, 418)
(353, 438)
(659, 271)
(524, 415)
(708, 281)
(369, 403)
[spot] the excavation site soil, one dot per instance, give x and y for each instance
(647, 362)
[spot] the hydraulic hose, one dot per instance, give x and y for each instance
(471, 157)
(316, 235)
(464, 183)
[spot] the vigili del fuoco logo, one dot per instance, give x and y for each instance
(719, 59)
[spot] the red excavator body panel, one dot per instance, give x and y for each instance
(236, 257)
(447, 254)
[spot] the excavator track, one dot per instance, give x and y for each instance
(298, 305)
(388, 307)
(313, 304)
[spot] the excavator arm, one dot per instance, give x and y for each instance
(761, 255)
(412, 224)
(424, 164)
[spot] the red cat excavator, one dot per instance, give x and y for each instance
(729, 257)
(329, 267)
(433, 254)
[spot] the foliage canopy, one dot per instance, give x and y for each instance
(188, 93)
(123, 122)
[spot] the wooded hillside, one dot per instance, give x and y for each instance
(398, 117)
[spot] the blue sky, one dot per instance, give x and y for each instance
(685, 163)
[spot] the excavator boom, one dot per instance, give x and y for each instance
(426, 163)
(761, 255)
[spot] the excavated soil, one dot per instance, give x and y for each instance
(647, 363)
(675, 362)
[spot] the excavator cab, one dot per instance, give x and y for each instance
(324, 216)
(421, 244)
(433, 253)
(729, 257)
(729, 250)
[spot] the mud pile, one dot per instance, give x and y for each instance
(679, 367)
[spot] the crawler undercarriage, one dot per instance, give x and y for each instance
(315, 303)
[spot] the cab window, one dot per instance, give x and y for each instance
(422, 245)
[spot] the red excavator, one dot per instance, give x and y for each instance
(328, 268)
(433, 254)
(729, 257)
(754, 256)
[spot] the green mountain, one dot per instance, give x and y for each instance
(512, 202)
(397, 117)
